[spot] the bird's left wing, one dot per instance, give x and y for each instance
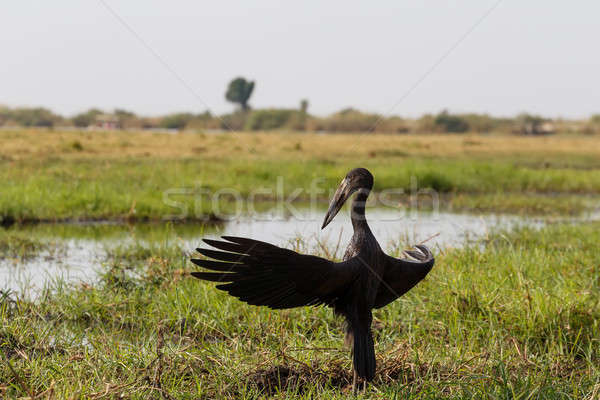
(402, 274)
(262, 274)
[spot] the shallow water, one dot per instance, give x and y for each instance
(84, 247)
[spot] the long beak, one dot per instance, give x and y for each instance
(339, 198)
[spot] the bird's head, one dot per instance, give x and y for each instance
(358, 179)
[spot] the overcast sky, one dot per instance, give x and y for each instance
(539, 56)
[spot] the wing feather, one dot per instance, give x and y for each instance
(260, 273)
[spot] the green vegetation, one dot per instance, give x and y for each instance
(176, 121)
(29, 117)
(298, 120)
(450, 123)
(239, 92)
(87, 118)
(514, 317)
(351, 120)
(84, 189)
(270, 119)
(53, 176)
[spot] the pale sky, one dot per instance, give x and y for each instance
(533, 55)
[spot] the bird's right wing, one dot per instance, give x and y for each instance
(262, 274)
(402, 274)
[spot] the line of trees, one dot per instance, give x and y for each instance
(299, 119)
(239, 92)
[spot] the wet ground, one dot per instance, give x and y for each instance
(79, 251)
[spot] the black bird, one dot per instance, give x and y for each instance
(262, 274)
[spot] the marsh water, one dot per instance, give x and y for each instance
(77, 252)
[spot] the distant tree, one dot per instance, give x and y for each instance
(301, 119)
(450, 123)
(304, 106)
(35, 117)
(239, 92)
(87, 118)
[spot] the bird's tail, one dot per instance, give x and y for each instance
(363, 352)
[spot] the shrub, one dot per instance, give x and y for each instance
(446, 122)
(347, 120)
(393, 125)
(204, 121)
(76, 145)
(351, 120)
(426, 124)
(483, 123)
(176, 121)
(85, 119)
(270, 119)
(38, 116)
(234, 121)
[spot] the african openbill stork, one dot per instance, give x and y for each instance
(262, 274)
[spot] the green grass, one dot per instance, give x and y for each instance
(517, 316)
(69, 175)
(135, 189)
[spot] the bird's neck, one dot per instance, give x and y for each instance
(359, 221)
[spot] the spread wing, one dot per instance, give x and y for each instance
(262, 274)
(402, 274)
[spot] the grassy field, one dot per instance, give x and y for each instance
(514, 317)
(49, 175)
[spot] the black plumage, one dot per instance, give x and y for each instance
(262, 274)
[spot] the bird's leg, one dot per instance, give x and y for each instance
(364, 389)
(354, 375)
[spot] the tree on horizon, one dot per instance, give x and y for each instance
(239, 92)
